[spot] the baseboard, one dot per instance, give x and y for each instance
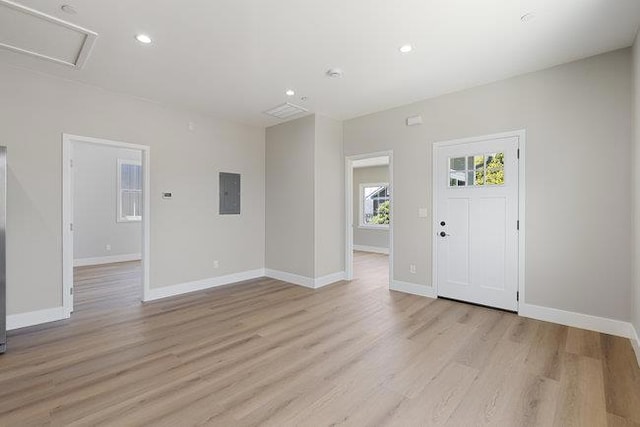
(374, 249)
(296, 279)
(413, 289)
(82, 262)
(32, 318)
(199, 285)
(305, 281)
(329, 279)
(635, 342)
(578, 320)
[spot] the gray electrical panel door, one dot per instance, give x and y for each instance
(229, 193)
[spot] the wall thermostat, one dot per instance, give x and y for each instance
(167, 195)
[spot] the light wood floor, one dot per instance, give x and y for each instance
(269, 353)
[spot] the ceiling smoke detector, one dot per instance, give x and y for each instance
(334, 73)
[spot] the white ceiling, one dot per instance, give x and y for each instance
(235, 58)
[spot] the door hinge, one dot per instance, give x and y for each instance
(71, 290)
(518, 153)
(71, 162)
(518, 296)
(518, 225)
(71, 226)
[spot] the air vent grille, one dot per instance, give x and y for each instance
(31, 32)
(285, 111)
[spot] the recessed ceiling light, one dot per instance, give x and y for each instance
(66, 8)
(527, 17)
(406, 48)
(143, 38)
(290, 92)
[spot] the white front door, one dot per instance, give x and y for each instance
(476, 222)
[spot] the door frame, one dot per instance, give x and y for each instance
(67, 212)
(348, 175)
(521, 135)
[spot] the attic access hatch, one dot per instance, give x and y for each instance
(285, 111)
(30, 32)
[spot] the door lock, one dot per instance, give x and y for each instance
(442, 223)
(443, 234)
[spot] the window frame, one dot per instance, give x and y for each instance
(361, 223)
(119, 217)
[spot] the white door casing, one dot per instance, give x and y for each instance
(475, 224)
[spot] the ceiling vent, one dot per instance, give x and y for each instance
(286, 110)
(30, 32)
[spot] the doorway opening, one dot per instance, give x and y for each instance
(478, 219)
(105, 224)
(369, 218)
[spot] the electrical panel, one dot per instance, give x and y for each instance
(229, 193)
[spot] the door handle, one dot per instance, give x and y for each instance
(443, 234)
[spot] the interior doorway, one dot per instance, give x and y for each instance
(105, 223)
(369, 213)
(477, 220)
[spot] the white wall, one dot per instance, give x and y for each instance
(578, 187)
(95, 204)
(367, 236)
(305, 197)
(187, 233)
(635, 166)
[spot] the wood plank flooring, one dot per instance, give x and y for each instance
(269, 353)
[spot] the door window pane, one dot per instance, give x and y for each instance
(476, 170)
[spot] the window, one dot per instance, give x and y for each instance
(374, 205)
(129, 190)
(478, 170)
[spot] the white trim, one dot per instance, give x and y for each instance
(577, 320)
(199, 285)
(349, 225)
(305, 281)
(67, 212)
(329, 279)
(522, 136)
(31, 318)
(373, 249)
(82, 262)
(635, 343)
(413, 289)
(85, 49)
(296, 279)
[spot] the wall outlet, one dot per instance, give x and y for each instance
(216, 264)
(412, 268)
(108, 247)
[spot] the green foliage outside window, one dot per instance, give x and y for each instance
(382, 216)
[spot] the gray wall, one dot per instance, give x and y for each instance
(305, 197)
(635, 166)
(95, 204)
(290, 197)
(329, 197)
(187, 234)
(578, 208)
(368, 236)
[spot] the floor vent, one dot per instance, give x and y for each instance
(286, 110)
(30, 32)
